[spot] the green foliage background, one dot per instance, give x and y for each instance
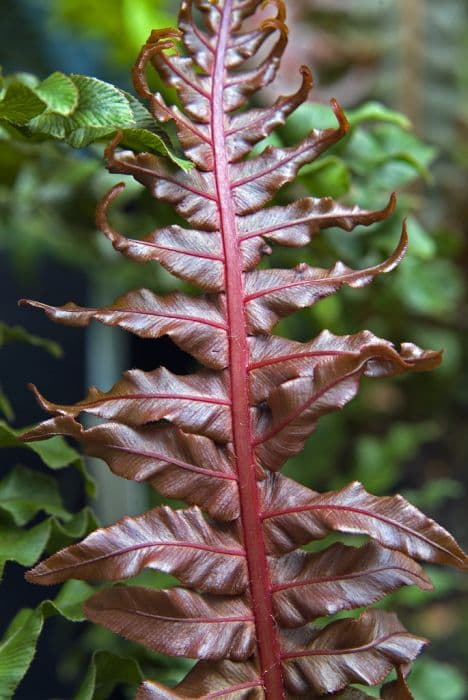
(408, 435)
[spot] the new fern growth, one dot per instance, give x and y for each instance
(249, 593)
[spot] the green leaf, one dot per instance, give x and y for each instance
(11, 334)
(101, 109)
(272, 140)
(18, 646)
(17, 650)
(100, 104)
(377, 112)
(142, 118)
(327, 177)
(24, 493)
(388, 157)
(394, 140)
(421, 243)
(20, 104)
(28, 79)
(147, 135)
(364, 151)
(141, 140)
(433, 288)
(311, 115)
(82, 110)
(21, 545)
(314, 115)
(55, 452)
(74, 528)
(107, 671)
(26, 546)
(60, 93)
(403, 174)
(69, 601)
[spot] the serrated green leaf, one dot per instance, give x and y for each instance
(101, 109)
(49, 124)
(10, 334)
(142, 118)
(107, 671)
(147, 135)
(24, 493)
(60, 93)
(55, 453)
(81, 110)
(20, 104)
(28, 79)
(141, 140)
(100, 104)
(84, 136)
(98, 112)
(18, 646)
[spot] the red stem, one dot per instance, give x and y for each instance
(269, 651)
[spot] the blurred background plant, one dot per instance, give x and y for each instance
(400, 69)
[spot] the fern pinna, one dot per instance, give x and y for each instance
(217, 439)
